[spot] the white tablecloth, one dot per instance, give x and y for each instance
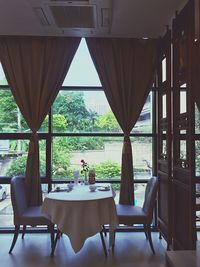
(81, 213)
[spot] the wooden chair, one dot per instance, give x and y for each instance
(24, 215)
(129, 214)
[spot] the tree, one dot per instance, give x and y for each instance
(85, 143)
(59, 123)
(107, 170)
(108, 122)
(8, 111)
(72, 106)
(18, 166)
(61, 158)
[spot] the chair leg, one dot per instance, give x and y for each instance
(51, 228)
(23, 231)
(104, 230)
(14, 238)
(60, 235)
(168, 246)
(149, 238)
(160, 236)
(145, 231)
(55, 242)
(113, 245)
(103, 243)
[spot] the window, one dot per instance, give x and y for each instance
(81, 125)
(164, 70)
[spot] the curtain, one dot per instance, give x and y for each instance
(35, 68)
(126, 69)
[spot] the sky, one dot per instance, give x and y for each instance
(82, 71)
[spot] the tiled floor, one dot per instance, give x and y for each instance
(132, 249)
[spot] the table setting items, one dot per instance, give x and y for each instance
(92, 187)
(75, 176)
(104, 188)
(60, 189)
(70, 186)
(91, 176)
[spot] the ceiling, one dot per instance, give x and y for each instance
(130, 18)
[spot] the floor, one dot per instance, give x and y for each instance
(183, 258)
(131, 249)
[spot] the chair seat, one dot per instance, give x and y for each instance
(33, 216)
(129, 214)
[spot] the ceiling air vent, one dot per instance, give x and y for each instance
(76, 18)
(73, 16)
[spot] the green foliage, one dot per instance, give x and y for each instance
(59, 123)
(197, 119)
(107, 169)
(7, 106)
(61, 158)
(18, 166)
(198, 163)
(69, 114)
(85, 143)
(107, 122)
(10, 116)
(197, 158)
(72, 106)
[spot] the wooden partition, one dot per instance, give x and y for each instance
(183, 131)
(165, 139)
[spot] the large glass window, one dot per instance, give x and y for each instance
(101, 153)
(80, 125)
(83, 111)
(13, 156)
(11, 119)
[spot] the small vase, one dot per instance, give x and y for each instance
(85, 179)
(76, 175)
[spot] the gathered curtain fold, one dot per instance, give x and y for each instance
(35, 68)
(126, 69)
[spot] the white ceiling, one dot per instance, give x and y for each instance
(130, 18)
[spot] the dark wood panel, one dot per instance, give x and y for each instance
(163, 166)
(163, 197)
(182, 175)
(182, 238)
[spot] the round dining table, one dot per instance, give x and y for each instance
(80, 213)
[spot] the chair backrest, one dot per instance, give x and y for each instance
(18, 196)
(150, 197)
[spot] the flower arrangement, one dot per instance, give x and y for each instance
(85, 168)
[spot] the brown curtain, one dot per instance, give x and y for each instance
(35, 68)
(126, 69)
